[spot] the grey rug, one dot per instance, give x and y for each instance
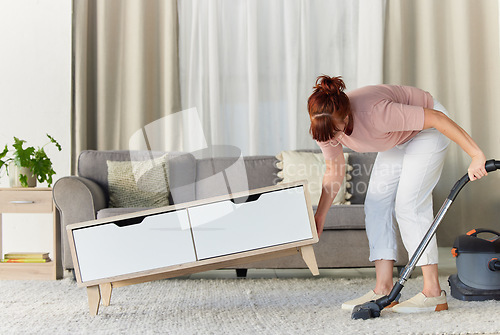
(228, 306)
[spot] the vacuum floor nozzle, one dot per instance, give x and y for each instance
(372, 309)
(366, 311)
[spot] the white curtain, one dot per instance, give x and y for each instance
(125, 72)
(248, 66)
(451, 49)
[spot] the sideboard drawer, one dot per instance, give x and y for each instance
(264, 220)
(13, 201)
(133, 245)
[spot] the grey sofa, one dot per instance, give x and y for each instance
(343, 243)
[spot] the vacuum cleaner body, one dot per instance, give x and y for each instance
(478, 267)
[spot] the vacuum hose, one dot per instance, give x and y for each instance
(490, 165)
(494, 264)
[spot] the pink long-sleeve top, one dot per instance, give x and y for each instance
(384, 116)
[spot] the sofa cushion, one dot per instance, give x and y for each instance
(344, 217)
(225, 175)
(362, 164)
(261, 171)
(108, 212)
(310, 166)
(92, 164)
(138, 183)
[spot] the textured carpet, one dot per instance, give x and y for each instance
(228, 306)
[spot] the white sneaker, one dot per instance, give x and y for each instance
(420, 303)
(349, 305)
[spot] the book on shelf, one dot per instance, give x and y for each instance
(16, 255)
(25, 260)
(26, 257)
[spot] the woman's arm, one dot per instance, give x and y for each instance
(332, 180)
(446, 126)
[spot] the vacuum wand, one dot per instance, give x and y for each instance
(373, 308)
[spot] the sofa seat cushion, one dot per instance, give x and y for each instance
(342, 217)
(339, 217)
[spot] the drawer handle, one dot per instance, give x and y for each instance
(136, 220)
(242, 200)
(129, 221)
(22, 202)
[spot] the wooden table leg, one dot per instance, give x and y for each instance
(94, 296)
(310, 259)
(106, 289)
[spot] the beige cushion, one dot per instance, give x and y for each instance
(138, 183)
(310, 166)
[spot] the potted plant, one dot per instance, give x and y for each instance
(27, 165)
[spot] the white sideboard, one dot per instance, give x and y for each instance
(109, 250)
(271, 218)
(192, 237)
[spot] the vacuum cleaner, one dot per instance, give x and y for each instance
(373, 308)
(478, 266)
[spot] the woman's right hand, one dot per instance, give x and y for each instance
(320, 223)
(332, 180)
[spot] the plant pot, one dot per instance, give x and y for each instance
(15, 171)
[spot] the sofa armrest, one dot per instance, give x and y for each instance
(77, 199)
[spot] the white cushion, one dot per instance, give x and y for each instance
(310, 166)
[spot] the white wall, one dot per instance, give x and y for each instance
(35, 98)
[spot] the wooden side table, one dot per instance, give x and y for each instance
(31, 200)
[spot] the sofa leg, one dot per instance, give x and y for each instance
(241, 273)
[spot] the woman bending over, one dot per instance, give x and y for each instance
(411, 131)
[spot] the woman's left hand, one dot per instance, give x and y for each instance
(476, 168)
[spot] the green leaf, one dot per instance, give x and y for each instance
(53, 140)
(2, 155)
(4, 152)
(42, 167)
(24, 180)
(22, 157)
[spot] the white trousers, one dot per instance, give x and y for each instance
(401, 185)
